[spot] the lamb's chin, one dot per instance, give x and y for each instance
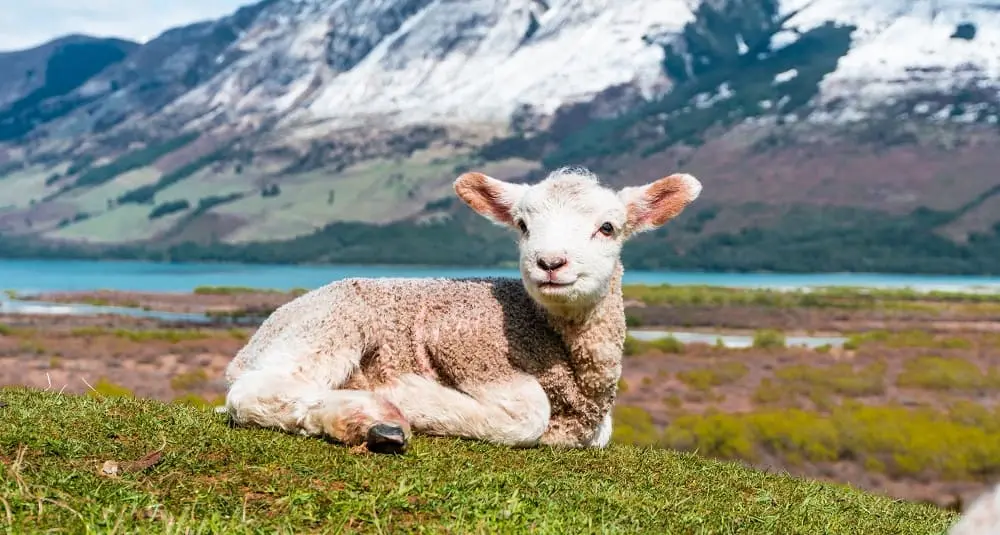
(559, 295)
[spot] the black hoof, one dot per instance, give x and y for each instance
(386, 438)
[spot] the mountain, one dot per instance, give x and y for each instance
(829, 134)
(50, 71)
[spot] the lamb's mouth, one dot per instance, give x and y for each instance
(554, 285)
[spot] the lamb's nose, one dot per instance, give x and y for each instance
(551, 263)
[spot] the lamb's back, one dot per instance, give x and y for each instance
(456, 331)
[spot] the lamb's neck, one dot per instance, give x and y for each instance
(595, 339)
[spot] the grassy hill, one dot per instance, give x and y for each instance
(212, 478)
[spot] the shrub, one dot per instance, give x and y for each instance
(165, 335)
(767, 393)
(716, 375)
(168, 208)
(909, 338)
(673, 401)
(838, 378)
(633, 425)
(898, 440)
(105, 388)
(711, 434)
(33, 347)
(189, 380)
(622, 386)
(632, 346)
(668, 344)
(939, 373)
(195, 400)
(768, 339)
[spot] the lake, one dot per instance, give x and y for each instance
(70, 275)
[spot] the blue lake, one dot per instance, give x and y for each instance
(52, 275)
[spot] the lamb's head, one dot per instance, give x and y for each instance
(572, 228)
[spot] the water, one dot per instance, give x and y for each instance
(29, 276)
(736, 340)
(9, 306)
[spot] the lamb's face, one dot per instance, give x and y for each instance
(572, 228)
(571, 233)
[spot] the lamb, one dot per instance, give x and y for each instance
(982, 517)
(515, 362)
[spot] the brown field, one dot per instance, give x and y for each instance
(910, 406)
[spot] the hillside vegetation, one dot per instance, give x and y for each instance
(207, 477)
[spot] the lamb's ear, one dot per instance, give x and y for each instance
(492, 198)
(656, 203)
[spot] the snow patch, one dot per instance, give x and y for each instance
(783, 77)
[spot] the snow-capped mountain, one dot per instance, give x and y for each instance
(282, 88)
(335, 64)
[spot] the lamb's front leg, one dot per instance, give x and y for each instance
(567, 432)
(581, 418)
(513, 412)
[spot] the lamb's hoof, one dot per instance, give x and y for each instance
(386, 438)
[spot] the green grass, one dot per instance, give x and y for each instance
(124, 223)
(375, 191)
(214, 479)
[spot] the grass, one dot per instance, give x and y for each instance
(214, 479)
(124, 223)
(374, 191)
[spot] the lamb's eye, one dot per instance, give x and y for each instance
(607, 229)
(521, 225)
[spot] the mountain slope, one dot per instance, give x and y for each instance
(29, 71)
(49, 71)
(292, 115)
